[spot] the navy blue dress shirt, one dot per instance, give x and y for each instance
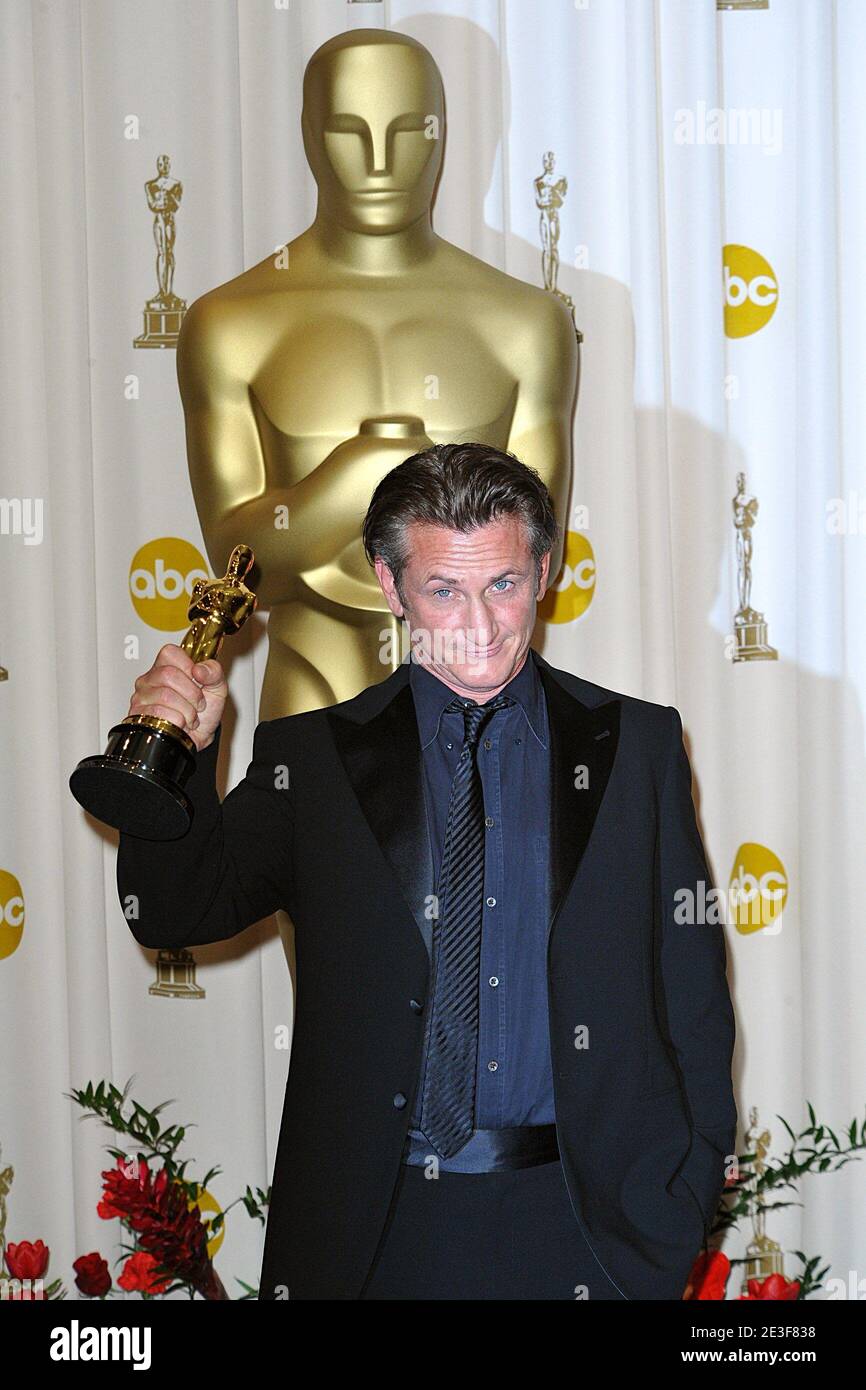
(514, 1083)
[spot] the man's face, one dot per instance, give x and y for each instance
(470, 601)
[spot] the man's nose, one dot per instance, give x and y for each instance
(481, 624)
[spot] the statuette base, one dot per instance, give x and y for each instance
(136, 785)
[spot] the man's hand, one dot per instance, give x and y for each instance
(189, 694)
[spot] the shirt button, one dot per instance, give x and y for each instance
(492, 1066)
(416, 1006)
(488, 821)
(487, 743)
(399, 1101)
(491, 902)
(493, 981)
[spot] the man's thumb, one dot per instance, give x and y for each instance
(208, 672)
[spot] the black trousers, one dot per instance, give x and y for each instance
(506, 1235)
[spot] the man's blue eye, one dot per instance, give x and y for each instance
(440, 591)
(502, 581)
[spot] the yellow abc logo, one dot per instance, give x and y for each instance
(758, 888)
(570, 596)
(207, 1203)
(751, 290)
(161, 577)
(11, 914)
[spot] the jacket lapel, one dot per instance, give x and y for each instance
(376, 736)
(382, 758)
(583, 745)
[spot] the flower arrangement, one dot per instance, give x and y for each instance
(169, 1243)
(747, 1194)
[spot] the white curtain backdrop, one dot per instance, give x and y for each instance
(671, 408)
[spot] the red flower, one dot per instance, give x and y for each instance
(774, 1286)
(27, 1260)
(709, 1276)
(139, 1275)
(133, 1173)
(91, 1275)
(157, 1210)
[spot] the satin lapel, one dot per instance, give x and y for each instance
(583, 744)
(382, 758)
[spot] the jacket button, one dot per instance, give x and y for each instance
(399, 1101)
(415, 1006)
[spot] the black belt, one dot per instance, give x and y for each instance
(489, 1150)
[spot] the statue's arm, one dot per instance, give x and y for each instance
(541, 430)
(227, 466)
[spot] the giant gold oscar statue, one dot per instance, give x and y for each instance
(312, 374)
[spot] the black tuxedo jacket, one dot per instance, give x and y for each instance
(640, 1017)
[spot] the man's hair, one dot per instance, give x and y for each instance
(459, 487)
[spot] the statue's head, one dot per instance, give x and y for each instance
(549, 162)
(240, 561)
(162, 164)
(373, 125)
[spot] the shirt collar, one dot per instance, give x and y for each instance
(431, 695)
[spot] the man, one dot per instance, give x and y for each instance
(511, 1066)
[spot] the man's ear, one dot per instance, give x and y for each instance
(388, 587)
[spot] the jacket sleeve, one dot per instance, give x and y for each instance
(232, 867)
(697, 1001)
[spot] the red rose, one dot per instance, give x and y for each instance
(139, 1275)
(91, 1275)
(775, 1286)
(27, 1260)
(709, 1276)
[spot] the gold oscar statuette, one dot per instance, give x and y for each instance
(163, 315)
(763, 1255)
(312, 374)
(750, 626)
(137, 784)
(549, 197)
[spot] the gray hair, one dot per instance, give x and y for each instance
(459, 487)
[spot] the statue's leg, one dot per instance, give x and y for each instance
(160, 252)
(169, 254)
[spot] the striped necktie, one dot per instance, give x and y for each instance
(448, 1101)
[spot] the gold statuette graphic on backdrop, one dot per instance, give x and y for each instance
(549, 197)
(137, 784)
(763, 1255)
(749, 625)
(175, 975)
(163, 315)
